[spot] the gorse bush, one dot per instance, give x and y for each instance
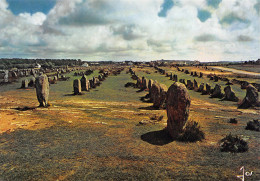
(253, 125)
(192, 133)
(233, 144)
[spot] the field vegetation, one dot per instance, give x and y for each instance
(97, 135)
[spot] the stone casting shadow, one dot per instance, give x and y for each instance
(159, 138)
(140, 90)
(26, 108)
(148, 108)
(74, 94)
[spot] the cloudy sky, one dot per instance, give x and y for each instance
(205, 30)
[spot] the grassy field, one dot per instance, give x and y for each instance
(249, 68)
(96, 136)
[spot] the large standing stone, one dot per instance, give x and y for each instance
(177, 105)
(230, 94)
(251, 99)
(217, 92)
(162, 96)
(155, 91)
(77, 86)
(42, 90)
(84, 83)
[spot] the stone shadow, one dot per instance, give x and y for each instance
(159, 138)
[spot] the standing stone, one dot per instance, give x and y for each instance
(201, 74)
(25, 83)
(42, 90)
(14, 74)
(251, 99)
(91, 83)
(6, 76)
(162, 96)
(150, 83)
(171, 77)
(201, 87)
(208, 89)
(215, 78)
(139, 82)
(77, 87)
(155, 91)
(100, 78)
(195, 85)
(217, 92)
(244, 84)
(144, 84)
(96, 81)
(32, 82)
(189, 85)
(84, 83)
(230, 94)
(177, 105)
(175, 78)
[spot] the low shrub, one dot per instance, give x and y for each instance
(192, 133)
(233, 120)
(253, 125)
(233, 144)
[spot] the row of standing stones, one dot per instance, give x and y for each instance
(251, 99)
(84, 84)
(176, 100)
(58, 75)
(42, 84)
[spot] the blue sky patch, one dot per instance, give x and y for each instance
(203, 15)
(214, 3)
(165, 7)
(30, 6)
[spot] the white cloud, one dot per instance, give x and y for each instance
(111, 29)
(35, 19)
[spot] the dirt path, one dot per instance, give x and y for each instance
(239, 71)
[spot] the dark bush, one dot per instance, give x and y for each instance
(130, 84)
(233, 120)
(233, 144)
(253, 125)
(192, 133)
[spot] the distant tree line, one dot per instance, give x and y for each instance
(6, 63)
(257, 62)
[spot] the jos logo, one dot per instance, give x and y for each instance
(247, 174)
